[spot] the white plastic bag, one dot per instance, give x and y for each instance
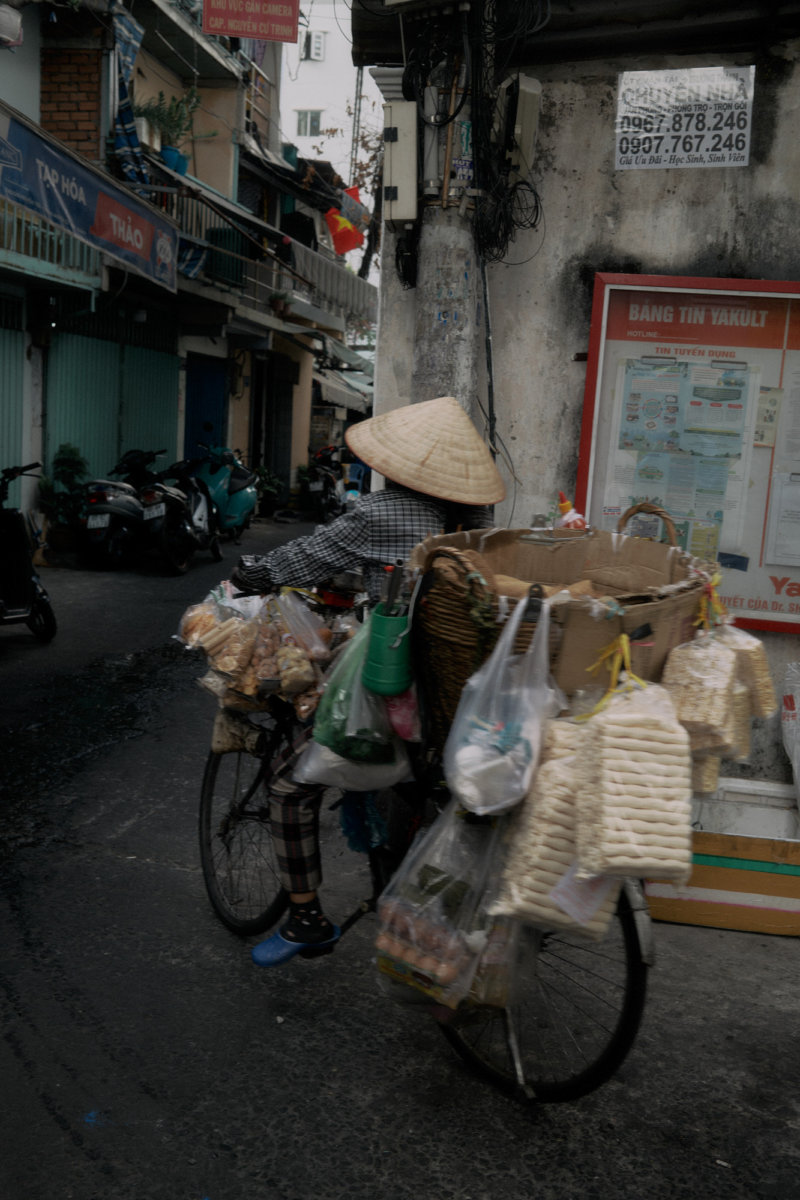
(320, 764)
(494, 743)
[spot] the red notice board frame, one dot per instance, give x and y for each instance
(701, 324)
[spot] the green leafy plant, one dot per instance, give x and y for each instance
(267, 482)
(61, 492)
(173, 118)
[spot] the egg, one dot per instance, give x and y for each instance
(446, 972)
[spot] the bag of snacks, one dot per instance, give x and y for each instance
(752, 668)
(700, 677)
(306, 628)
(538, 884)
(434, 924)
(634, 805)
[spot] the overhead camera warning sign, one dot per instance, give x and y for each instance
(263, 20)
(697, 117)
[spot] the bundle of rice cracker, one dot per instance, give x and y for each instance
(541, 852)
(634, 808)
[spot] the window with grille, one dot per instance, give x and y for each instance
(308, 122)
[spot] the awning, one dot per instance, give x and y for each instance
(336, 391)
(45, 177)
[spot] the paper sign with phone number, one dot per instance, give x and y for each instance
(697, 117)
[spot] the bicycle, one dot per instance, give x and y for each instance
(576, 1006)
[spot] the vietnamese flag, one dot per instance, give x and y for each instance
(345, 236)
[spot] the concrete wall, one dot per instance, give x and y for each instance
(731, 222)
(20, 68)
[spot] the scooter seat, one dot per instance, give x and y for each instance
(240, 479)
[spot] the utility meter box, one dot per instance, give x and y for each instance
(400, 162)
(519, 101)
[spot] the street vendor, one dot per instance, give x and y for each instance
(440, 477)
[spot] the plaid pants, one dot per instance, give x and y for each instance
(294, 821)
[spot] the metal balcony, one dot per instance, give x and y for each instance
(34, 247)
(226, 247)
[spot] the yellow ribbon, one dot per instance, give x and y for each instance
(712, 610)
(617, 658)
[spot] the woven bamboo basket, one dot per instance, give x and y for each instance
(459, 613)
(458, 621)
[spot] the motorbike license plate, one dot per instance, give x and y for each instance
(98, 520)
(315, 486)
(155, 510)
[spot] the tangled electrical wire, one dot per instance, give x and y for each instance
(470, 58)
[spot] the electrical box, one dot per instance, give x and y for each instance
(519, 101)
(400, 162)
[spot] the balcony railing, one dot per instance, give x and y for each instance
(236, 252)
(217, 250)
(39, 248)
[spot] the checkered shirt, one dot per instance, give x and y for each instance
(382, 528)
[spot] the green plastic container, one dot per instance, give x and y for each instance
(387, 669)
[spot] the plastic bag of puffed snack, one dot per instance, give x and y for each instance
(306, 627)
(197, 621)
(752, 667)
(226, 596)
(230, 645)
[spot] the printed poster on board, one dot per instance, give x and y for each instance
(693, 404)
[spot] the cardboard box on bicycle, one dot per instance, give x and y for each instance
(647, 590)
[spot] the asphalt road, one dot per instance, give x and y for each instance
(143, 1057)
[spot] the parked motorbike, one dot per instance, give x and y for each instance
(326, 482)
(115, 526)
(231, 487)
(23, 599)
(180, 515)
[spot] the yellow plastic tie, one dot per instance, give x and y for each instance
(616, 656)
(712, 610)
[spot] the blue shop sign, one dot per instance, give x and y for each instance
(58, 187)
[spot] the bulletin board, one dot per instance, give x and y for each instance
(692, 402)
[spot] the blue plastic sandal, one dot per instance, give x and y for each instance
(278, 949)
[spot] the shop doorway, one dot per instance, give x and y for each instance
(206, 402)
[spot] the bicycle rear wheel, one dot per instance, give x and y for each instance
(236, 850)
(576, 1010)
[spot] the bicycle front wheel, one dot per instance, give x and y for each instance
(236, 850)
(574, 1016)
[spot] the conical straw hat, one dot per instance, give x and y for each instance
(432, 447)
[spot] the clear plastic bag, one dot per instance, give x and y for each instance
(700, 677)
(538, 883)
(790, 721)
(752, 667)
(434, 923)
(494, 743)
(306, 627)
(634, 802)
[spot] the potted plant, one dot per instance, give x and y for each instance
(269, 487)
(61, 496)
(173, 119)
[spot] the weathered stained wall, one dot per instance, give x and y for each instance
(705, 222)
(728, 222)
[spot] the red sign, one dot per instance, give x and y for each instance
(263, 20)
(115, 223)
